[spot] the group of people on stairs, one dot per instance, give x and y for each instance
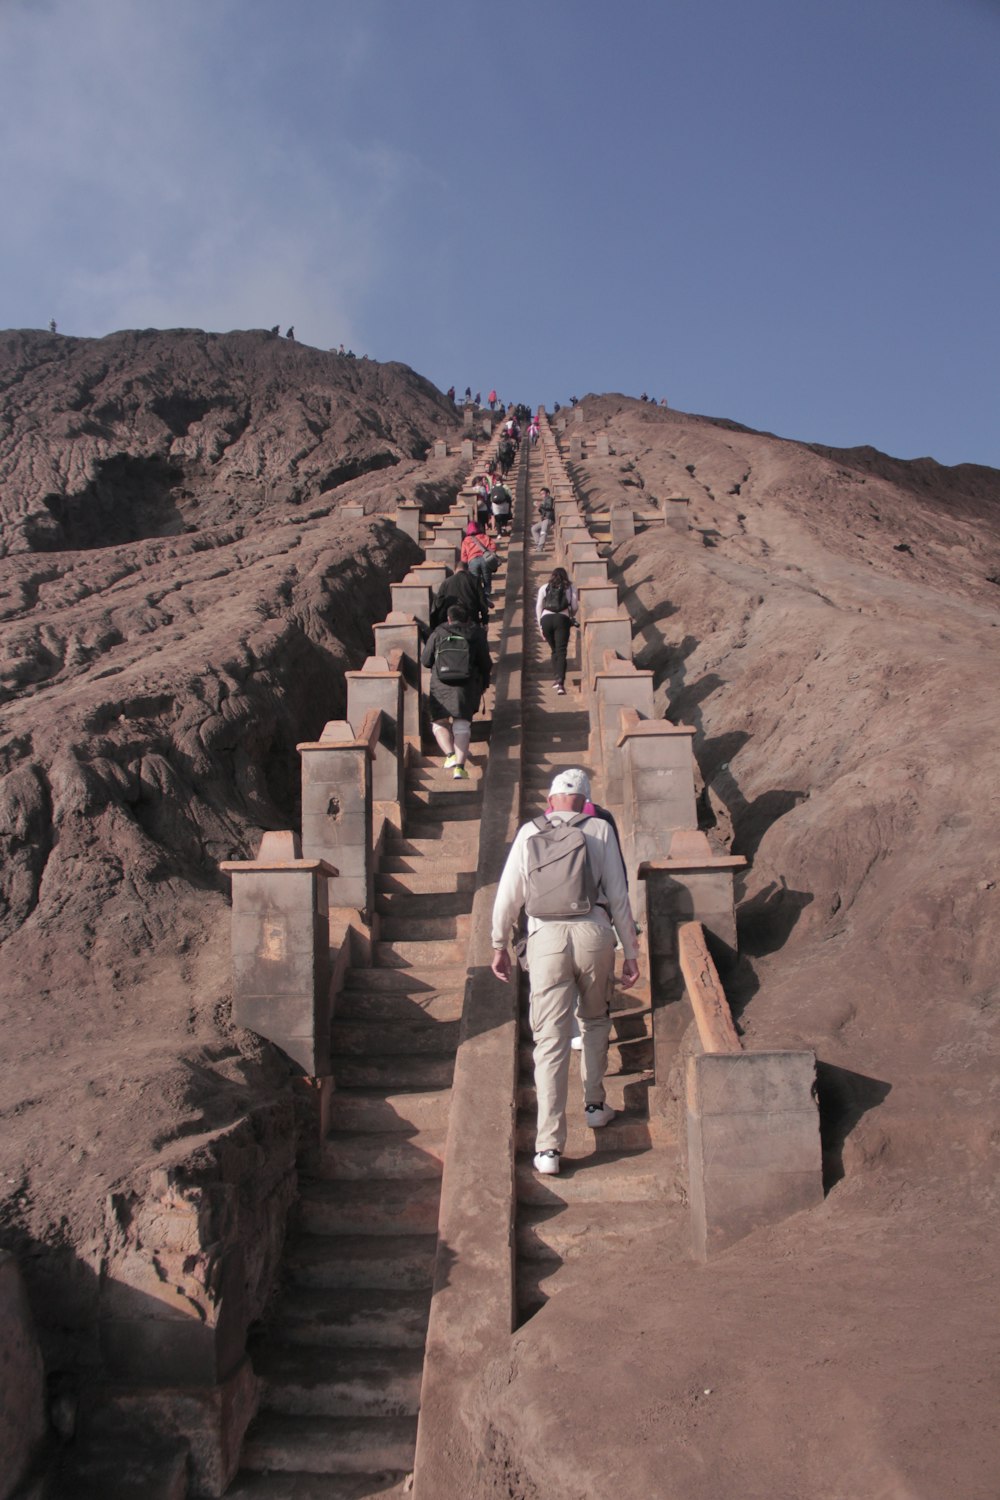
(565, 870)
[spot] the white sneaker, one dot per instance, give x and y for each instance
(577, 1044)
(596, 1115)
(547, 1162)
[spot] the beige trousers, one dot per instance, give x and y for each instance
(569, 962)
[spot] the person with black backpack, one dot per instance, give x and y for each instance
(556, 604)
(546, 515)
(459, 657)
(566, 870)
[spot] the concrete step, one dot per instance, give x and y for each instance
(407, 1113)
(434, 776)
(621, 1177)
(377, 1005)
(414, 927)
(394, 1485)
(627, 1132)
(383, 1155)
(431, 954)
(355, 1319)
(330, 1445)
(426, 1071)
(418, 982)
(340, 1382)
(417, 881)
(634, 1056)
(369, 1207)
(458, 802)
(625, 1092)
(418, 1033)
(630, 1023)
(432, 902)
(571, 1231)
(440, 842)
(402, 1262)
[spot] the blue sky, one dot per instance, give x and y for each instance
(784, 212)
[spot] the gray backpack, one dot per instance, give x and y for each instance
(559, 881)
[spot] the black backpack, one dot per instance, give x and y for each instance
(554, 599)
(453, 658)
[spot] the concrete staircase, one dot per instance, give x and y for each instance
(342, 1353)
(612, 1185)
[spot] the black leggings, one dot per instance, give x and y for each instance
(556, 629)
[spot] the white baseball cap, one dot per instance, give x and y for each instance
(572, 783)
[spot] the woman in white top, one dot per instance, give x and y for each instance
(555, 610)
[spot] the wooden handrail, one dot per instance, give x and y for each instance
(708, 999)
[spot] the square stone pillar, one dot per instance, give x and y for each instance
(441, 555)
(622, 524)
(450, 533)
(754, 1152)
(560, 424)
(658, 783)
(602, 631)
(408, 519)
(337, 809)
(468, 413)
(602, 445)
(619, 685)
(675, 513)
(440, 448)
(412, 597)
(352, 511)
(376, 688)
(431, 573)
(575, 448)
(397, 639)
(690, 885)
(597, 598)
(577, 413)
(590, 570)
(581, 547)
(281, 950)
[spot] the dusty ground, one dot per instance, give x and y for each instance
(843, 688)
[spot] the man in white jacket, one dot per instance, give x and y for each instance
(571, 963)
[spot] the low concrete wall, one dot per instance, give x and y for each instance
(753, 1143)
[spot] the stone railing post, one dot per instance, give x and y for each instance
(604, 631)
(618, 685)
(337, 810)
(397, 639)
(595, 597)
(412, 597)
(622, 524)
(408, 519)
(690, 885)
(281, 949)
(658, 784)
(379, 688)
